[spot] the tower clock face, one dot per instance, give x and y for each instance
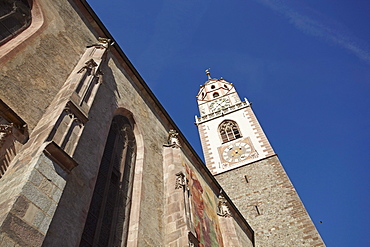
(236, 152)
(219, 104)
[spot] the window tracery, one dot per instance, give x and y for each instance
(229, 130)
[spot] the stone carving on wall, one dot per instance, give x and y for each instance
(103, 43)
(183, 183)
(222, 207)
(180, 180)
(173, 140)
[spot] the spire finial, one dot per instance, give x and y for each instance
(208, 73)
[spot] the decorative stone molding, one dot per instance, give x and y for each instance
(213, 115)
(77, 113)
(222, 207)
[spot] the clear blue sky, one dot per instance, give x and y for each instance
(305, 65)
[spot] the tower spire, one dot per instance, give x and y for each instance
(208, 73)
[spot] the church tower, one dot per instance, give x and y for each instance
(239, 155)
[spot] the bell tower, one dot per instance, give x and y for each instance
(230, 133)
(239, 155)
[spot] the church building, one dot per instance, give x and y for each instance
(89, 156)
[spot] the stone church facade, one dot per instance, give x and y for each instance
(88, 156)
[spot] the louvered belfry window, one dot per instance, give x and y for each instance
(15, 16)
(229, 130)
(107, 220)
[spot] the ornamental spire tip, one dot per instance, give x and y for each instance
(208, 73)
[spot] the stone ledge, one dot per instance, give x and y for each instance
(56, 154)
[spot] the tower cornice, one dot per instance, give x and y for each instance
(223, 112)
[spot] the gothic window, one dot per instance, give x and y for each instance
(15, 16)
(108, 216)
(229, 130)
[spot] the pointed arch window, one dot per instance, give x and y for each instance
(229, 130)
(15, 16)
(108, 216)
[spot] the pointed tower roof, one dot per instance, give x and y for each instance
(214, 88)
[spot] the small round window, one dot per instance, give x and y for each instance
(225, 86)
(215, 95)
(213, 87)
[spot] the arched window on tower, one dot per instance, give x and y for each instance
(229, 130)
(108, 216)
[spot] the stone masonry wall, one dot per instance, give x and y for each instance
(32, 195)
(265, 196)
